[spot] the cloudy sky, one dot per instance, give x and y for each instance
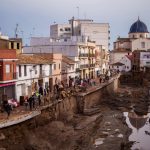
(35, 16)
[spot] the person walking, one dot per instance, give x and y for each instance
(30, 102)
(8, 109)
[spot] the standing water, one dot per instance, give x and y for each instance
(140, 126)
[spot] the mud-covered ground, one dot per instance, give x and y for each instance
(102, 131)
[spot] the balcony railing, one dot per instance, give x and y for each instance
(92, 65)
(77, 69)
(84, 66)
(91, 55)
(83, 55)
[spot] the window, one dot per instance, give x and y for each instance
(54, 66)
(59, 66)
(143, 44)
(67, 29)
(18, 45)
(12, 45)
(61, 29)
(8, 68)
(19, 71)
(40, 69)
(25, 70)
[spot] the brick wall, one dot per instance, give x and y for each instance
(7, 54)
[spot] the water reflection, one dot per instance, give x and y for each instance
(140, 126)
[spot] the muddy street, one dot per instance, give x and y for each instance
(108, 128)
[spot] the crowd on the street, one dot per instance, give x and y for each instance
(61, 90)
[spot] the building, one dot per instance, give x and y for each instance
(138, 39)
(33, 71)
(85, 28)
(124, 65)
(141, 60)
(8, 76)
(11, 43)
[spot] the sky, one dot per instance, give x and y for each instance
(34, 17)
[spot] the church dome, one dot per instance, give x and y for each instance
(138, 27)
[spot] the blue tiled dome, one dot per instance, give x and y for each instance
(139, 27)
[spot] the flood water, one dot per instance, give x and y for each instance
(140, 126)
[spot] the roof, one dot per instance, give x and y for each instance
(118, 64)
(129, 57)
(67, 60)
(138, 27)
(34, 59)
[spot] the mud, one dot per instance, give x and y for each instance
(104, 130)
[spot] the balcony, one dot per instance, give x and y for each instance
(77, 69)
(83, 55)
(91, 65)
(91, 55)
(84, 66)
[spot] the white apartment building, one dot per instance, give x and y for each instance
(33, 72)
(85, 28)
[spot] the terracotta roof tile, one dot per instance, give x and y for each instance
(34, 59)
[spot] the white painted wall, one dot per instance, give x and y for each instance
(127, 64)
(137, 44)
(144, 59)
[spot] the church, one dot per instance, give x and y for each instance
(138, 40)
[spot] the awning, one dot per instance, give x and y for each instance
(7, 84)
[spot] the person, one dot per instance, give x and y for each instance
(100, 80)
(39, 99)
(26, 102)
(30, 102)
(8, 109)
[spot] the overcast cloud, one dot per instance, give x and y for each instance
(35, 16)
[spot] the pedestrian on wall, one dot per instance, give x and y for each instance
(8, 109)
(30, 102)
(100, 80)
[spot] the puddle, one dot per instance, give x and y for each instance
(140, 126)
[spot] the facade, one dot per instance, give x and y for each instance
(138, 39)
(118, 66)
(11, 43)
(68, 70)
(141, 60)
(85, 28)
(33, 71)
(83, 53)
(8, 76)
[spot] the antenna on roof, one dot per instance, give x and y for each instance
(16, 31)
(78, 11)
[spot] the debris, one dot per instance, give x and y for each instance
(99, 141)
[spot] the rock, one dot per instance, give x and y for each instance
(105, 133)
(99, 141)
(2, 136)
(120, 135)
(117, 130)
